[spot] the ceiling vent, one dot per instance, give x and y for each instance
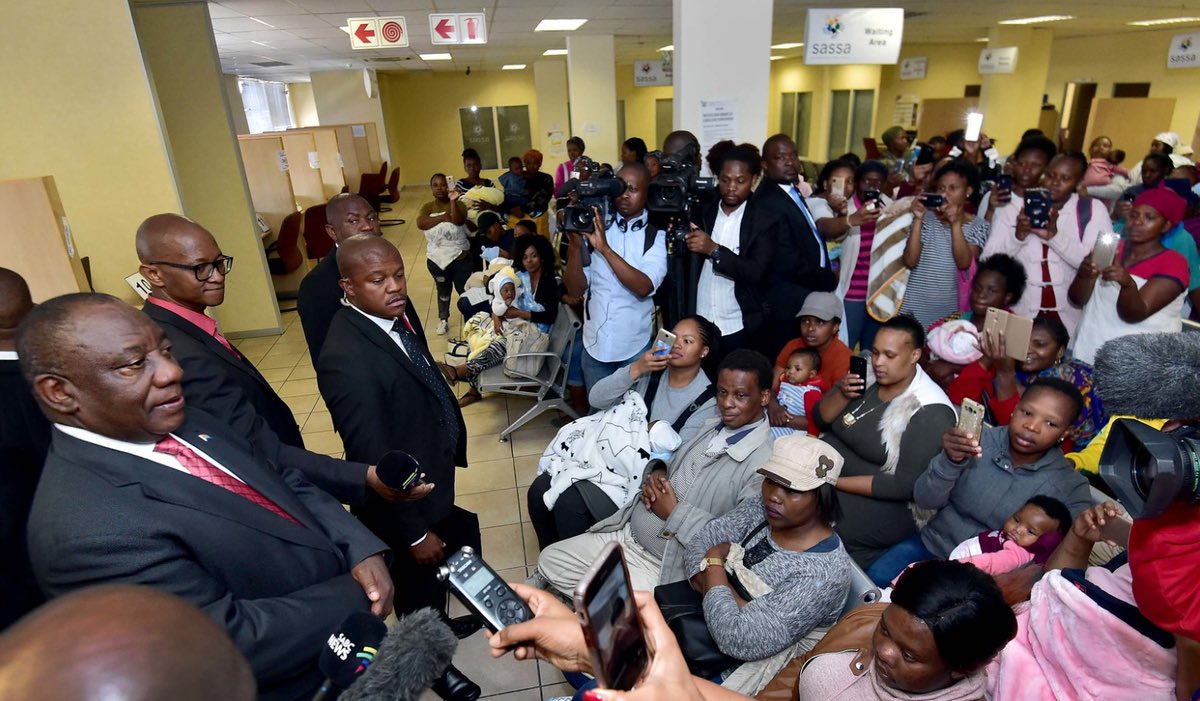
(269, 64)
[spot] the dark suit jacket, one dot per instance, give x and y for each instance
(24, 441)
(795, 264)
(379, 402)
(103, 516)
(319, 299)
(223, 385)
(748, 268)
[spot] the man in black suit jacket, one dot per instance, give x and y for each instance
(346, 215)
(138, 490)
(183, 263)
(799, 261)
(744, 267)
(24, 441)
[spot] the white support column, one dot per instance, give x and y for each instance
(592, 74)
(723, 52)
(553, 117)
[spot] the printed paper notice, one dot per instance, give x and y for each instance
(314, 160)
(718, 120)
(281, 155)
(358, 130)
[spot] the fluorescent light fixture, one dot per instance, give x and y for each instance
(435, 57)
(1167, 20)
(554, 52)
(982, 40)
(668, 47)
(265, 24)
(776, 58)
(788, 45)
(559, 25)
(513, 67)
(1038, 20)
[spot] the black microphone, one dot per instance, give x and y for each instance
(1150, 376)
(349, 652)
(398, 470)
(415, 653)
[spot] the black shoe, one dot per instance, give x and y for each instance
(464, 626)
(453, 685)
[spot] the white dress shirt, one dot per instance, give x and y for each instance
(715, 300)
(8, 355)
(386, 326)
(618, 322)
(142, 450)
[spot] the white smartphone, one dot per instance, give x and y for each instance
(450, 184)
(837, 187)
(1105, 251)
(974, 126)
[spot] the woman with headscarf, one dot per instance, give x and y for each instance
(1144, 288)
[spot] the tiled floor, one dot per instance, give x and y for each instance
(493, 486)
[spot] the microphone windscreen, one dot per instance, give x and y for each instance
(1150, 376)
(416, 651)
(351, 648)
(397, 467)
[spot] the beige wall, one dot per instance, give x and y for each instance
(639, 106)
(304, 105)
(177, 44)
(421, 113)
(341, 98)
(951, 67)
(96, 130)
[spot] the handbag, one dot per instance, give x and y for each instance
(520, 337)
(683, 609)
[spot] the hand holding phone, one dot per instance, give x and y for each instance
(1105, 251)
(611, 624)
(1037, 207)
(664, 342)
(970, 418)
(932, 200)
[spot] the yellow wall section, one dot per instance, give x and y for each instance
(237, 109)
(178, 46)
(1130, 58)
(640, 107)
(792, 75)
(304, 106)
(951, 67)
(95, 130)
(421, 113)
(341, 98)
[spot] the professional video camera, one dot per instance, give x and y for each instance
(597, 191)
(1148, 469)
(676, 190)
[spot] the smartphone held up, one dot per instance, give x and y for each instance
(611, 626)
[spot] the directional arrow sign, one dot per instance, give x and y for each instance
(364, 33)
(443, 29)
(472, 28)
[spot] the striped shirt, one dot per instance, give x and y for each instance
(857, 292)
(932, 291)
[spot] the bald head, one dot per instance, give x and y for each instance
(132, 643)
(362, 250)
(348, 214)
(677, 140)
(15, 303)
(159, 232)
(373, 276)
(180, 259)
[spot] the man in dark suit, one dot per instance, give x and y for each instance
(184, 264)
(385, 392)
(24, 441)
(799, 261)
(139, 490)
(346, 215)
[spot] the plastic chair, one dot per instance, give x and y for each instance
(392, 197)
(286, 246)
(862, 590)
(383, 170)
(317, 243)
(548, 388)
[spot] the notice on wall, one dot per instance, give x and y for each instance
(66, 229)
(914, 68)
(281, 156)
(905, 112)
(358, 130)
(651, 73)
(844, 35)
(314, 160)
(1185, 51)
(718, 122)
(1001, 60)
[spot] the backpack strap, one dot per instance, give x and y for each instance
(708, 393)
(649, 233)
(1083, 214)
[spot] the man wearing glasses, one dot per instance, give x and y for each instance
(187, 270)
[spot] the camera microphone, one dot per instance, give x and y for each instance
(414, 654)
(1150, 376)
(349, 652)
(398, 470)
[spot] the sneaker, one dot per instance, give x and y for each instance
(443, 327)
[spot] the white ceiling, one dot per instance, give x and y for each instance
(305, 34)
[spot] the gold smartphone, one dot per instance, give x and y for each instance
(663, 342)
(970, 417)
(1017, 331)
(837, 187)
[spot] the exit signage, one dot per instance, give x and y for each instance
(457, 28)
(377, 32)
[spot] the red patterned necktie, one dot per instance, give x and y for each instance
(199, 467)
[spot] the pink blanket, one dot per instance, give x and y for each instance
(1069, 648)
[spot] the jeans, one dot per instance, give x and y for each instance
(455, 274)
(860, 326)
(596, 370)
(897, 558)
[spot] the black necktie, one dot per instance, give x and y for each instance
(626, 225)
(425, 368)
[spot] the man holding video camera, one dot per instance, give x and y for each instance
(619, 264)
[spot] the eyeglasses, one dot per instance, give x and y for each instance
(202, 271)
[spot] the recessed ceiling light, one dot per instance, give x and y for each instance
(559, 25)
(668, 47)
(435, 57)
(788, 45)
(513, 67)
(776, 58)
(554, 52)
(1038, 20)
(265, 24)
(1168, 20)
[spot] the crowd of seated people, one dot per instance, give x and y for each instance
(797, 434)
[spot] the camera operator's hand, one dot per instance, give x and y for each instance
(597, 236)
(553, 634)
(698, 241)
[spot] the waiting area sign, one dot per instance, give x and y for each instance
(847, 35)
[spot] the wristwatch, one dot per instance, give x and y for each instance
(714, 561)
(715, 256)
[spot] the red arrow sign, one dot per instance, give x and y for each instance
(364, 35)
(445, 29)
